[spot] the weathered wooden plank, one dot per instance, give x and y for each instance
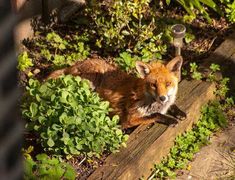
(224, 53)
(147, 146)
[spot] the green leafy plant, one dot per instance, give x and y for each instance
(189, 37)
(222, 88)
(122, 25)
(229, 9)
(126, 61)
(212, 75)
(47, 168)
(221, 83)
(24, 62)
(190, 142)
(195, 74)
(71, 119)
(26, 152)
(61, 51)
(194, 7)
(56, 41)
(61, 47)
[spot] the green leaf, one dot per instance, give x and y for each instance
(56, 127)
(168, 2)
(29, 167)
(70, 173)
(189, 37)
(125, 32)
(33, 109)
(50, 142)
(42, 157)
(65, 137)
(64, 96)
(43, 88)
(24, 62)
(62, 46)
(53, 161)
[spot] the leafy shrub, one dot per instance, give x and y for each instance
(24, 61)
(120, 25)
(70, 118)
(47, 168)
(126, 61)
(187, 144)
(62, 51)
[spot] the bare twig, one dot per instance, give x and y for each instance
(82, 161)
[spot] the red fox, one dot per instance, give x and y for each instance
(142, 100)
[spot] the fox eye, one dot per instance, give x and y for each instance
(168, 84)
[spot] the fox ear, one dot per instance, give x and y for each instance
(142, 68)
(175, 66)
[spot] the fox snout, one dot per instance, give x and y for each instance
(163, 98)
(160, 97)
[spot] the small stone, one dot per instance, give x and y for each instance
(36, 71)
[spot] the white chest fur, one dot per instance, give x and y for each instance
(146, 109)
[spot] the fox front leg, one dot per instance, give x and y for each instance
(156, 117)
(163, 119)
(176, 112)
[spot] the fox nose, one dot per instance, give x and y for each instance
(163, 98)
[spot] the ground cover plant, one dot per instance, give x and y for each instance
(65, 116)
(48, 168)
(71, 119)
(189, 143)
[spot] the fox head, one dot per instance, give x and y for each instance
(161, 80)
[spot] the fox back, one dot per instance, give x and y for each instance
(132, 98)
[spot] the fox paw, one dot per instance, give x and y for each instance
(181, 115)
(172, 122)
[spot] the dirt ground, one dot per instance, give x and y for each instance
(216, 160)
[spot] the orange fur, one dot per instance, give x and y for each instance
(135, 100)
